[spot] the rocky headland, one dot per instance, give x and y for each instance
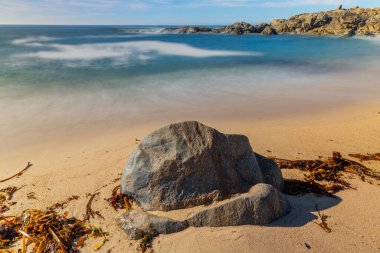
(341, 22)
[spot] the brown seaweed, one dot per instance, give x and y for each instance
(119, 200)
(63, 204)
(367, 157)
(323, 220)
(329, 171)
(46, 231)
(91, 213)
(6, 196)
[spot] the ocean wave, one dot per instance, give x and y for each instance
(373, 39)
(139, 49)
(32, 40)
(142, 30)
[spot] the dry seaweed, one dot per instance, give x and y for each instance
(46, 231)
(63, 204)
(146, 243)
(6, 195)
(18, 173)
(368, 157)
(119, 200)
(329, 171)
(31, 195)
(323, 223)
(299, 187)
(91, 213)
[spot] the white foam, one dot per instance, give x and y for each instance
(373, 39)
(139, 49)
(32, 41)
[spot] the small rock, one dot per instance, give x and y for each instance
(138, 224)
(261, 205)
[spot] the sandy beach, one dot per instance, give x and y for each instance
(91, 163)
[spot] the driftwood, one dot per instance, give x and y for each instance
(18, 174)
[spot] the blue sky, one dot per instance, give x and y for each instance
(159, 12)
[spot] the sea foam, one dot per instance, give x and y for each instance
(138, 49)
(32, 40)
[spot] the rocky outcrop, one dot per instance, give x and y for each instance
(238, 28)
(268, 31)
(349, 22)
(261, 205)
(356, 21)
(189, 30)
(189, 164)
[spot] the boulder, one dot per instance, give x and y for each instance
(271, 173)
(138, 224)
(188, 164)
(261, 205)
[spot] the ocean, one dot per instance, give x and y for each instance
(61, 78)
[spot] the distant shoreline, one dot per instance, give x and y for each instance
(343, 22)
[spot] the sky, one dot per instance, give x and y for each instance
(161, 12)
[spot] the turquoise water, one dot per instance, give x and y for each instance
(59, 77)
(48, 56)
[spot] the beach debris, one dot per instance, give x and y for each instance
(307, 245)
(98, 232)
(63, 204)
(328, 172)
(6, 195)
(368, 157)
(146, 243)
(18, 173)
(91, 213)
(119, 200)
(46, 231)
(31, 195)
(323, 220)
(300, 187)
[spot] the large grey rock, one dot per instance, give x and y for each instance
(188, 164)
(261, 205)
(271, 173)
(138, 224)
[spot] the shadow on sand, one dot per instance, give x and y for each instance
(302, 206)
